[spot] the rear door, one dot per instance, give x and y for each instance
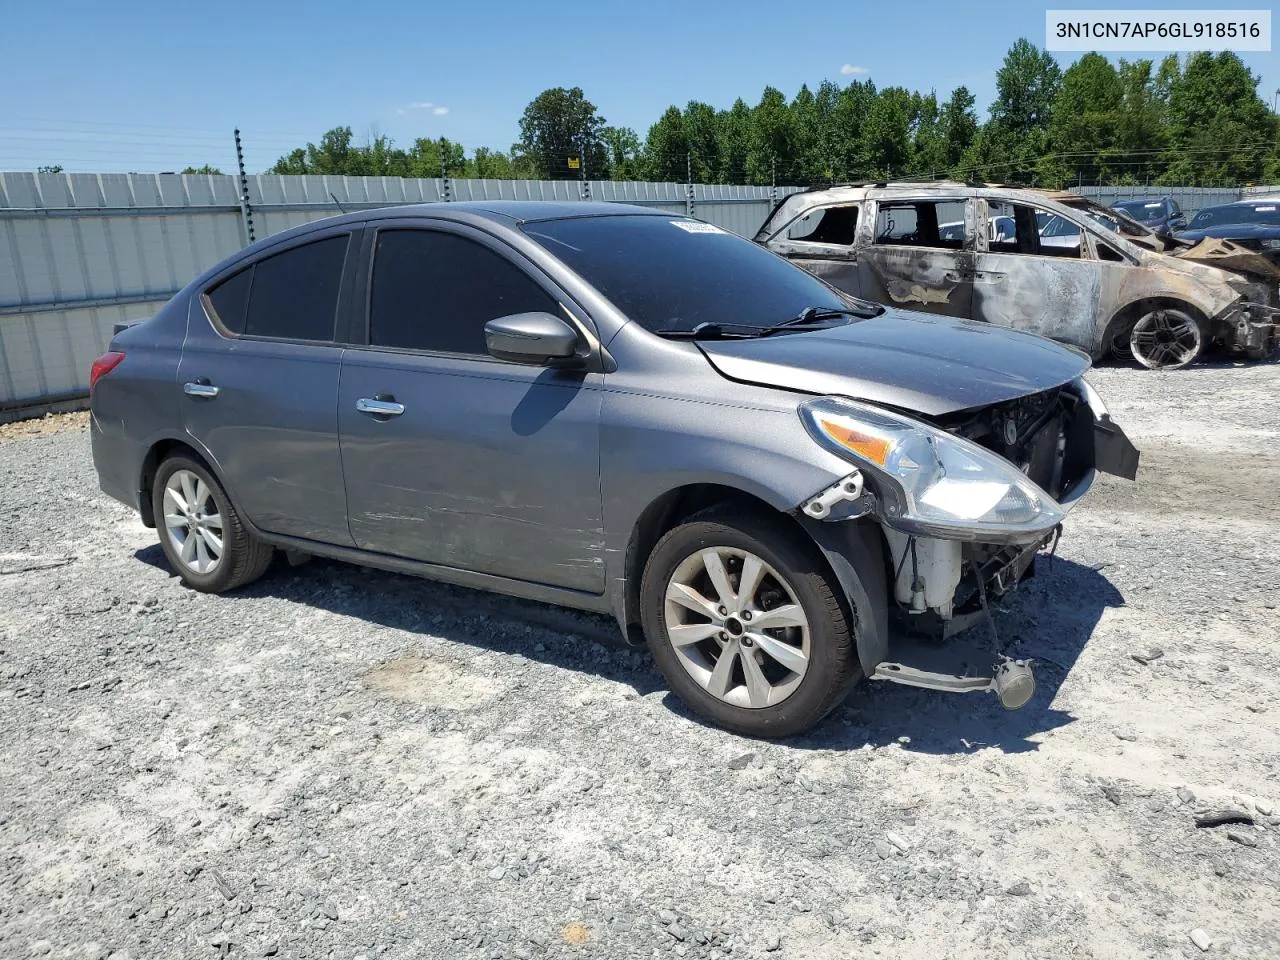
(822, 241)
(1047, 285)
(484, 465)
(916, 258)
(259, 371)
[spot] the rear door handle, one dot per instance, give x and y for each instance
(200, 388)
(379, 407)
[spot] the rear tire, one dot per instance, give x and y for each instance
(777, 616)
(200, 532)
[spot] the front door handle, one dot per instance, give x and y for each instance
(200, 388)
(379, 406)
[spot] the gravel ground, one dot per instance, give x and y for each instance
(337, 762)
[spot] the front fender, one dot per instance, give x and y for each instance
(855, 551)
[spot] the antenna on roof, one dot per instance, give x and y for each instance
(335, 202)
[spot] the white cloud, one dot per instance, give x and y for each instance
(440, 111)
(849, 69)
(421, 105)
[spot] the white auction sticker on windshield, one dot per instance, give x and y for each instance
(696, 226)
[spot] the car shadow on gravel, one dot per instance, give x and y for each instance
(1049, 618)
(572, 639)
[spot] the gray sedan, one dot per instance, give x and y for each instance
(609, 408)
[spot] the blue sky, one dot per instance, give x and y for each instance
(151, 86)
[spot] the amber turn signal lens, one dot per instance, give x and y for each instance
(875, 449)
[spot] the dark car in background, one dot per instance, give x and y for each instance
(614, 409)
(1159, 215)
(1253, 224)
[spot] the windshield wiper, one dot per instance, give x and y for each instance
(808, 318)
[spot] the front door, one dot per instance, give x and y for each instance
(1041, 279)
(450, 456)
(822, 241)
(259, 371)
(919, 256)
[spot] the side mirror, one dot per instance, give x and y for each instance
(537, 339)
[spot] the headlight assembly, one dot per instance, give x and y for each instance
(929, 481)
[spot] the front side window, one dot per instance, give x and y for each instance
(1032, 231)
(836, 225)
(436, 291)
(294, 294)
(921, 223)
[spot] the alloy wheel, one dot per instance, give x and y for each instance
(1165, 338)
(736, 627)
(192, 522)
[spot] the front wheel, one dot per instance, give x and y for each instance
(740, 615)
(200, 531)
(1166, 339)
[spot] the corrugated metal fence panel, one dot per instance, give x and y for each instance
(1190, 199)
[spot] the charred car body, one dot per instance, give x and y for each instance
(1102, 281)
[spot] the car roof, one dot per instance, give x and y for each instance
(505, 212)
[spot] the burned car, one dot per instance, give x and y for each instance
(613, 409)
(1071, 270)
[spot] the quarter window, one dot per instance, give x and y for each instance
(436, 291)
(230, 300)
(836, 225)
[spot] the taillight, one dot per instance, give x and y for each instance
(102, 366)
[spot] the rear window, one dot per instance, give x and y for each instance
(673, 273)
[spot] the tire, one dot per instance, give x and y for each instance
(809, 669)
(1167, 338)
(242, 558)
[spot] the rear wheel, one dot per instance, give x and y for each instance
(200, 531)
(1166, 339)
(741, 619)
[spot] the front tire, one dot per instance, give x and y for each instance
(740, 614)
(200, 532)
(1167, 339)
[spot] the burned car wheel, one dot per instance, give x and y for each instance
(200, 531)
(740, 618)
(1166, 339)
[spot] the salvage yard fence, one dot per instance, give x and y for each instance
(81, 252)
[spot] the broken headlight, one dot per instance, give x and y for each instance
(929, 481)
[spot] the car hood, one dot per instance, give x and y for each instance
(919, 362)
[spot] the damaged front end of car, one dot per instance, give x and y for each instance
(964, 504)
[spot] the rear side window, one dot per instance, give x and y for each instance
(921, 223)
(436, 291)
(294, 295)
(230, 300)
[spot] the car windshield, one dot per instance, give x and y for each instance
(1145, 211)
(673, 274)
(1267, 214)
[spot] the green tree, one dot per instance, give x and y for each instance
(959, 125)
(1084, 129)
(666, 148)
(622, 146)
(50, 168)
(771, 141)
(203, 170)
(558, 125)
(1014, 139)
(701, 126)
(733, 132)
(1220, 131)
